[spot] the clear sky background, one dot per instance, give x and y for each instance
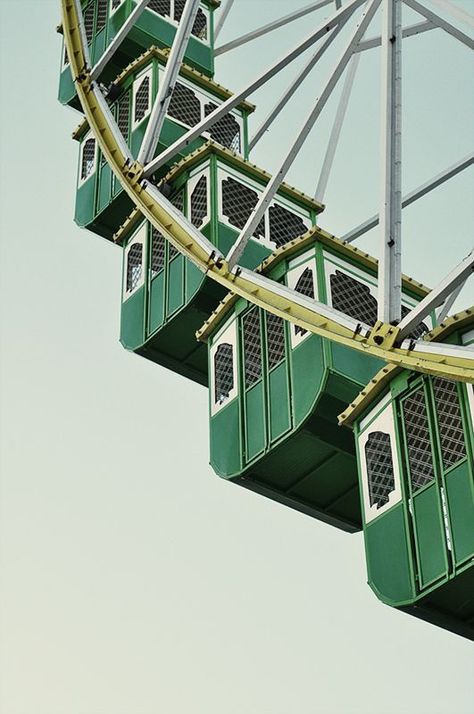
(134, 581)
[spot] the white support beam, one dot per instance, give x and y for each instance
(409, 31)
(434, 298)
(270, 27)
(222, 18)
(82, 30)
(445, 308)
(279, 176)
(235, 99)
(118, 39)
(294, 86)
(336, 128)
(413, 196)
(439, 22)
(390, 264)
(168, 82)
(455, 11)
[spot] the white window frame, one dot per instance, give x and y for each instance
(139, 237)
(191, 184)
(228, 334)
(381, 418)
(292, 277)
(81, 181)
(171, 19)
(470, 399)
(147, 72)
(113, 9)
(64, 63)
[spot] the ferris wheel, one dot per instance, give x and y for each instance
(298, 330)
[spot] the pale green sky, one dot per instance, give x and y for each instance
(134, 581)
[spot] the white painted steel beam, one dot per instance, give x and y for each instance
(222, 18)
(409, 31)
(279, 176)
(233, 101)
(445, 308)
(82, 30)
(390, 263)
(436, 296)
(270, 27)
(336, 128)
(413, 196)
(168, 82)
(118, 39)
(455, 11)
(443, 24)
(294, 86)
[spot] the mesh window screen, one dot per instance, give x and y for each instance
(305, 286)
(223, 373)
(451, 432)
(200, 25)
(134, 266)
(380, 475)
(275, 339)
(252, 347)
(353, 298)
(158, 244)
(142, 98)
(65, 56)
(238, 202)
(89, 22)
(162, 7)
(419, 331)
(178, 202)
(226, 131)
(179, 9)
(420, 457)
(123, 111)
(284, 225)
(184, 105)
(115, 4)
(101, 14)
(199, 202)
(88, 158)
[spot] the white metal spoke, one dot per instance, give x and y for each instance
(409, 31)
(445, 308)
(336, 128)
(233, 101)
(82, 30)
(271, 26)
(222, 18)
(173, 65)
(274, 183)
(294, 86)
(437, 20)
(455, 278)
(413, 196)
(455, 11)
(118, 39)
(390, 264)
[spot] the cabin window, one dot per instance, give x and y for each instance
(223, 372)
(200, 25)
(89, 22)
(238, 202)
(252, 347)
(88, 158)
(353, 298)
(418, 442)
(162, 7)
(275, 339)
(123, 111)
(174, 10)
(101, 14)
(284, 225)
(115, 4)
(141, 97)
(134, 266)
(185, 105)
(451, 432)
(65, 56)
(158, 245)
(419, 331)
(199, 202)
(305, 286)
(226, 131)
(380, 472)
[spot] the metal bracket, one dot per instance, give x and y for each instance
(384, 335)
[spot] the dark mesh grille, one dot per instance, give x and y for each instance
(65, 56)
(223, 373)
(142, 98)
(238, 202)
(420, 456)
(200, 25)
(162, 7)
(179, 9)
(123, 110)
(226, 131)
(134, 266)
(252, 347)
(284, 225)
(158, 244)
(115, 4)
(89, 22)
(184, 105)
(353, 298)
(275, 339)
(451, 432)
(177, 201)
(419, 331)
(305, 286)
(88, 158)
(380, 476)
(101, 14)
(199, 202)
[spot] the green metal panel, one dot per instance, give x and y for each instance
(132, 325)
(460, 499)
(254, 421)
(157, 302)
(67, 90)
(354, 364)
(279, 401)
(254, 252)
(194, 280)
(85, 201)
(430, 537)
(175, 288)
(104, 194)
(98, 46)
(307, 372)
(225, 452)
(389, 562)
